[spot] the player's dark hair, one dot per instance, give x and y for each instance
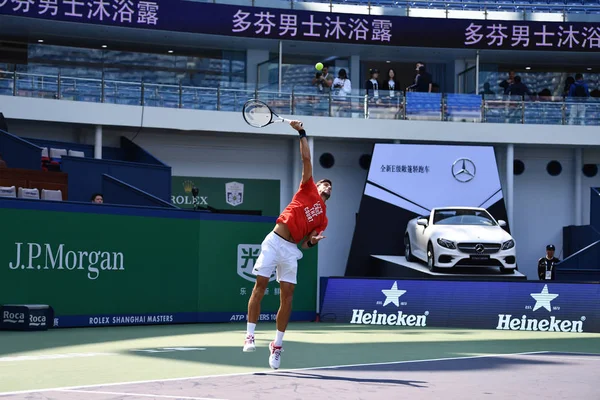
(323, 181)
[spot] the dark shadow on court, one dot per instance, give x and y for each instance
(304, 375)
(318, 355)
(458, 364)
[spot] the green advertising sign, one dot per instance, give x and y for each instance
(227, 194)
(104, 269)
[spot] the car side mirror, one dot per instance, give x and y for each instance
(422, 222)
(501, 222)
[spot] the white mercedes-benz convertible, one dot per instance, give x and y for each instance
(460, 236)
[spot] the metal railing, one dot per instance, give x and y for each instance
(290, 101)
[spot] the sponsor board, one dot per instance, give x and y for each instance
(70, 321)
(514, 306)
(202, 268)
(26, 317)
(226, 194)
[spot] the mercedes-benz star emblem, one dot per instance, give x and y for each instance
(479, 248)
(463, 170)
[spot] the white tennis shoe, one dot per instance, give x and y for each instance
(275, 356)
(249, 344)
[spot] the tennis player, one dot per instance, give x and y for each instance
(301, 222)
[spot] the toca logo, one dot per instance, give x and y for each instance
(552, 324)
(13, 318)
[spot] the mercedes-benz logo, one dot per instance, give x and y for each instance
(479, 248)
(463, 170)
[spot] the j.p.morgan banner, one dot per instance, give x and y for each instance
(255, 22)
(516, 306)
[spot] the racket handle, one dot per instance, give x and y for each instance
(289, 121)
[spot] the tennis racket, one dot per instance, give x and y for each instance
(258, 114)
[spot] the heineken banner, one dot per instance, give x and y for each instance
(227, 194)
(106, 269)
(524, 306)
(308, 25)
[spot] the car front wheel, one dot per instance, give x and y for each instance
(430, 258)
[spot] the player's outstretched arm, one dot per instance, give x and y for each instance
(304, 151)
(311, 240)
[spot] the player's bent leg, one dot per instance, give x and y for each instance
(258, 292)
(254, 311)
(285, 305)
(263, 269)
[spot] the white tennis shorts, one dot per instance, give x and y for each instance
(277, 254)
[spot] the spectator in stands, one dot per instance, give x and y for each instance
(419, 65)
(372, 85)
(568, 82)
(546, 270)
(578, 91)
(98, 198)
(505, 84)
(323, 80)
(423, 82)
(518, 88)
(342, 86)
(2, 162)
(486, 89)
(545, 95)
(390, 84)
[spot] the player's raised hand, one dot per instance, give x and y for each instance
(314, 238)
(297, 125)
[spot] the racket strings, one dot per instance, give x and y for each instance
(257, 114)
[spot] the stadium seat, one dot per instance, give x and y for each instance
(32, 194)
(8, 191)
(55, 156)
(75, 153)
(52, 195)
(463, 107)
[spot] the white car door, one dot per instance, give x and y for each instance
(421, 240)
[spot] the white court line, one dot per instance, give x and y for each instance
(559, 353)
(574, 357)
(141, 395)
(268, 371)
(53, 356)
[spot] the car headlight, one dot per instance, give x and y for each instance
(508, 245)
(446, 243)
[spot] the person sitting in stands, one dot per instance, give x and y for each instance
(2, 162)
(98, 198)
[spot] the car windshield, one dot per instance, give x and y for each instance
(462, 217)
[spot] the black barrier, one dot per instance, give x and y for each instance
(26, 317)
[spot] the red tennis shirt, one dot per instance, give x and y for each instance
(305, 213)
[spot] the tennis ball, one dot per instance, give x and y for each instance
(319, 66)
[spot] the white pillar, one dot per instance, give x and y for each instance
(296, 167)
(477, 73)
(98, 143)
(510, 159)
(280, 64)
(311, 147)
(578, 186)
